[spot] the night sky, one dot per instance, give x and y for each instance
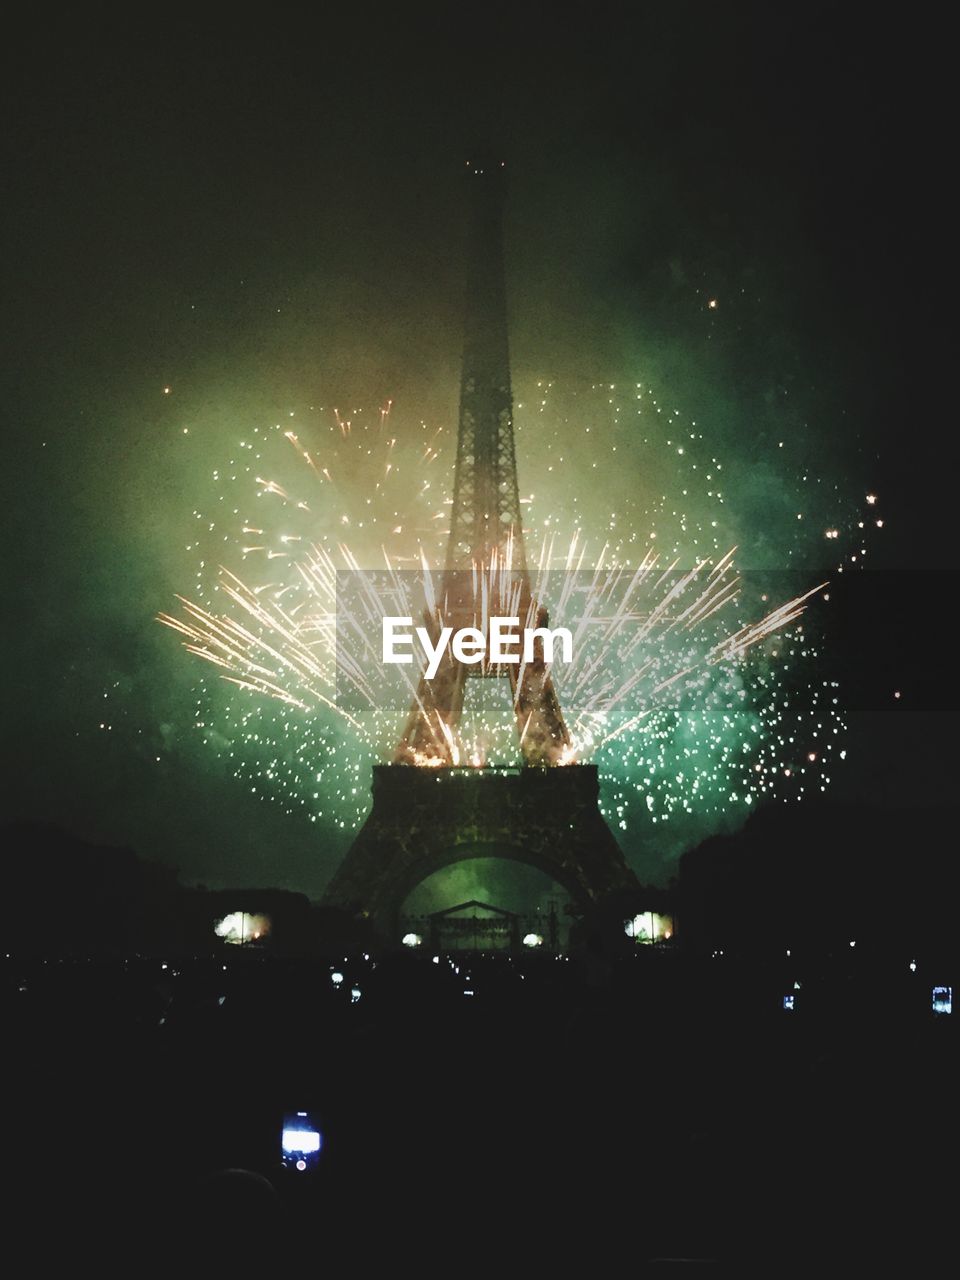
(208, 228)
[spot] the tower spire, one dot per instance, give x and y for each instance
(485, 574)
(486, 498)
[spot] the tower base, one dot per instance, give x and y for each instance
(426, 819)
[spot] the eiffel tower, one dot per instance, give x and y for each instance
(428, 813)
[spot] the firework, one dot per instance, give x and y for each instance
(693, 689)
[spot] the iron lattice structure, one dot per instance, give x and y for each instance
(486, 496)
(485, 544)
(426, 818)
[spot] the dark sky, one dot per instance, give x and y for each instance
(262, 214)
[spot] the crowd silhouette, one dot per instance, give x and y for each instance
(725, 1098)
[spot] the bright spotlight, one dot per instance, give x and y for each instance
(649, 926)
(239, 927)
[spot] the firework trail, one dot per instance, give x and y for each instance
(688, 688)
